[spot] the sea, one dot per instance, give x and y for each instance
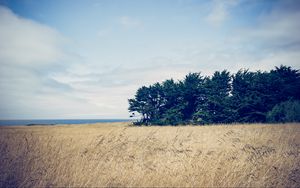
(31, 122)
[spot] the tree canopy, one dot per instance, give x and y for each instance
(221, 98)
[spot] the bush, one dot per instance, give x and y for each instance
(288, 111)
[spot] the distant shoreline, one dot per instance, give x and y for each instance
(36, 124)
(53, 122)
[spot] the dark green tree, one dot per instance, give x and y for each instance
(248, 96)
(141, 104)
(285, 84)
(243, 97)
(174, 103)
(191, 90)
(288, 111)
(149, 102)
(214, 106)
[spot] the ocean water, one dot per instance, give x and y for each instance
(58, 121)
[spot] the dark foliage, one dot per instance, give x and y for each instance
(288, 111)
(222, 98)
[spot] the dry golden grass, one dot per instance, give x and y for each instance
(118, 155)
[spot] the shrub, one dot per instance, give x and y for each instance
(288, 111)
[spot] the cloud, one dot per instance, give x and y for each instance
(269, 40)
(220, 11)
(103, 32)
(129, 22)
(279, 28)
(24, 42)
(38, 79)
(275, 31)
(29, 52)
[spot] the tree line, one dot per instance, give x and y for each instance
(243, 97)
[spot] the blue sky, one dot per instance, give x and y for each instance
(84, 59)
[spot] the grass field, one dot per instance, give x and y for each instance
(116, 154)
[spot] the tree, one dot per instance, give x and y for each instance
(174, 103)
(214, 106)
(285, 84)
(149, 102)
(248, 96)
(288, 111)
(141, 104)
(222, 98)
(191, 92)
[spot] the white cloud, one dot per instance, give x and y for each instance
(220, 11)
(37, 79)
(103, 32)
(26, 42)
(29, 51)
(129, 22)
(273, 39)
(277, 29)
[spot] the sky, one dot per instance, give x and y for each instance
(77, 59)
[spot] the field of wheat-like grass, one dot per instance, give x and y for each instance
(116, 154)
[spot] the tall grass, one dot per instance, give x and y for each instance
(189, 156)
